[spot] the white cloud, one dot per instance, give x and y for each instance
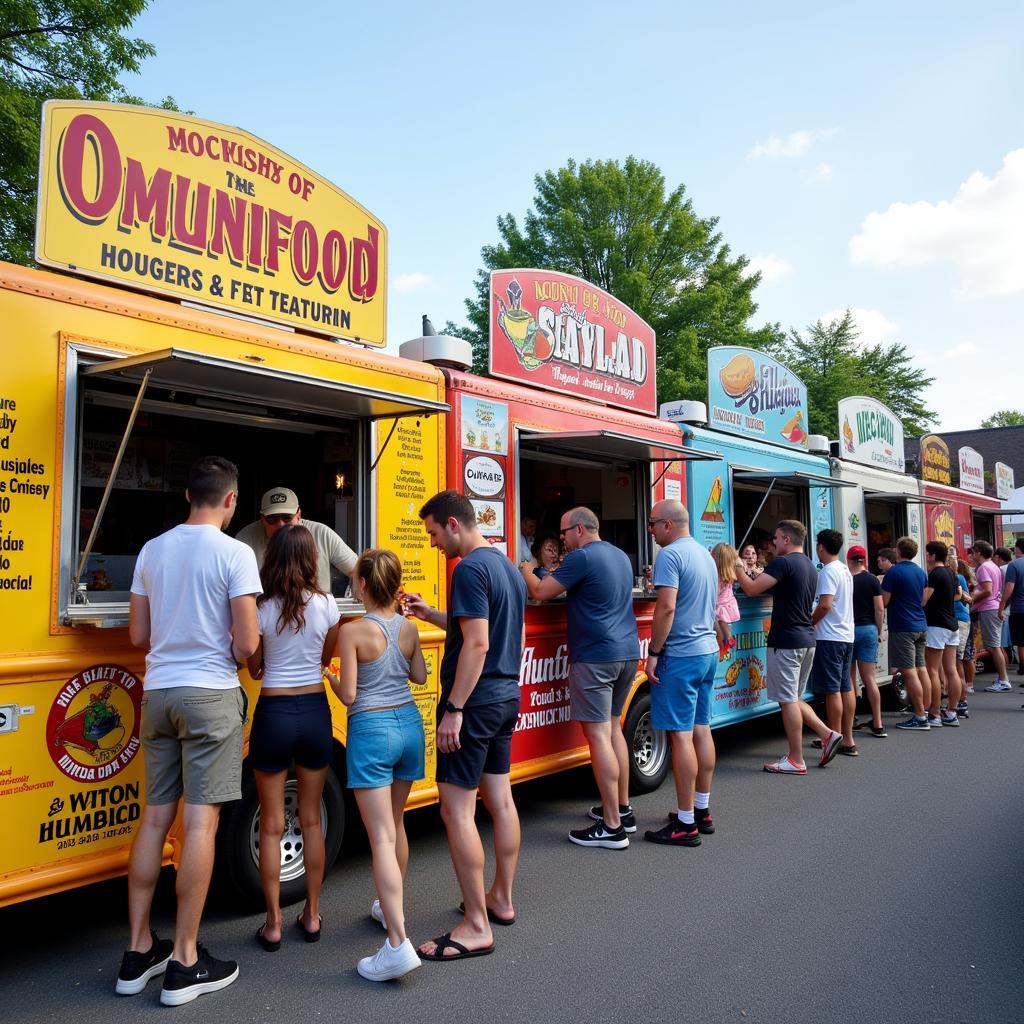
(977, 232)
(794, 144)
(823, 172)
(771, 267)
(874, 326)
(966, 348)
(412, 282)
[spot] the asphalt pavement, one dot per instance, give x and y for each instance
(884, 887)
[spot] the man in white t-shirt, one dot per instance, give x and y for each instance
(193, 609)
(833, 638)
(280, 507)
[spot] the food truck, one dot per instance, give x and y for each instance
(756, 420)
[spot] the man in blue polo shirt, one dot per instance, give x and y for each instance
(604, 649)
(903, 595)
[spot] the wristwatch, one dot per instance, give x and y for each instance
(653, 654)
(449, 706)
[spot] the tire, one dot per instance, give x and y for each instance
(894, 696)
(238, 841)
(649, 757)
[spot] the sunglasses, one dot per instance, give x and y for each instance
(278, 518)
(562, 533)
(652, 523)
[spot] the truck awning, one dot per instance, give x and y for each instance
(215, 376)
(610, 444)
(984, 510)
(898, 497)
(790, 477)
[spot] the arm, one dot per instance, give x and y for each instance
(664, 616)
(467, 674)
(823, 607)
(255, 661)
(540, 589)
(886, 598)
(415, 606)
(926, 595)
(417, 663)
(344, 684)
(1008, 588)
(245, 629)
(983, 590)
(138, 621)
(330, 644)
(879, 614)
(756, 587)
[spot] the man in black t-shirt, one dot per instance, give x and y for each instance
(792, 580)
(868, 620)
(942, 637)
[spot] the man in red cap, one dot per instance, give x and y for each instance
(868, 618)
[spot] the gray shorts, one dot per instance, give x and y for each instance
(192, 744)
(598, 690)
(991, 629)
(963, 633)
(788, 671)
(906, 650)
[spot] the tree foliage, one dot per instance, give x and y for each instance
(833, 366)
(54, 49)
(1004, 418)
(616, 225)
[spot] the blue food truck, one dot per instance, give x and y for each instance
(756, 420)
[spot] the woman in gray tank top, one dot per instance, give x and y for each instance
(380, 654)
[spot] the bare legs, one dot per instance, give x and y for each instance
(915, 690)
(604, 760)
(867, 677)
(794, 717)
(496, 791)
(144, 869)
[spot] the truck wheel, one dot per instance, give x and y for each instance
(649, 759)
(895, 694)
(238, 854)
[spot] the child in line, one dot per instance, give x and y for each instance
(728, 611)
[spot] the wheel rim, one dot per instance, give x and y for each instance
(293, 862)
(649, 747)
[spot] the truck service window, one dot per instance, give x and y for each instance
(758, 521)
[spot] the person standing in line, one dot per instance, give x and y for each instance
(962, 611)
(292, 722)
(886, 560)
(727, 612)
(1002, 558)
(380, 654)
(966, 566)
(868, 621)
(681, 664)
(1012, 598)
(604, 650)
(942, 637)
(792, 580)
(478, 710)
(903, 594)
(834, 637)
(193, 610)
(987, 598)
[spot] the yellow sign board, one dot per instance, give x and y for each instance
(171, 204)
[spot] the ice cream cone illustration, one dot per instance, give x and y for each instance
(533, 345)
(794, 431)
(847, 435)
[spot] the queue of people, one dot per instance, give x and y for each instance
(202, 603)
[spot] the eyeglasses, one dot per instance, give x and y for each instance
(278, 518)
(575, 526)
(652, 523)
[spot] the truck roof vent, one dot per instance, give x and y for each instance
(684, 411)
(818, 444)
(438, 349)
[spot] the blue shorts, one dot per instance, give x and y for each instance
(289, 729)
(830, 671)
(385, 746)
(865, 643)
(682, 698)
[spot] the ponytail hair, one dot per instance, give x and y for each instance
(381, 573)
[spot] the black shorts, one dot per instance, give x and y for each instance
(1017, 629)
(486, 744)
(291, 729)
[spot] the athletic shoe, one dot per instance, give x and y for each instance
(961, 710)
(914, 723)
(950, 718)
(626, 816)
(999, 686)
(183, 984)
(377, 913)
(600, 835)
(389, 963)
(879, 732)
(705, 825)
(970, 689)
(784, 767)
(829, 748)
(677, 833)
(935, 721)
(138, 968)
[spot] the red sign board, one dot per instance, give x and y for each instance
(559, 332)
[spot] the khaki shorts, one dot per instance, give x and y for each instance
(192, 744)
(789, 669)
(991, 629)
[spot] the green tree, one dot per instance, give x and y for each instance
(1004, 418)
(833, 366)
(616, 225)
(54, 49)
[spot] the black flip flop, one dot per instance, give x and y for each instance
(443, 942)
(505, 922)
(306, 933)
(267, 944)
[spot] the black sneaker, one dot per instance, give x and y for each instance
(879, 732)
(599, 834)
(182, 984)
(626, 816)
(138, 968)
(705, 823)
(675, 833)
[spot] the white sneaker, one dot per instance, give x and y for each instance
(999, 686)
(377, 913)
(935, 721)
(387, 963)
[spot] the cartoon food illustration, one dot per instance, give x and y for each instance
(533, 345)
(713, 510)
(737, 376)
(756, 675)
(847, 435)
(97, 727)
(487, 516)
(470, 436)
(733, 673)
(794, 431)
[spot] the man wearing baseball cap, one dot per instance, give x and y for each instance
(868, 618)
(280, 507)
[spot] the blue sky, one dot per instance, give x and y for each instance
(871, 158)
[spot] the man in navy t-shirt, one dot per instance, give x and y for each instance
(604, 649)
(479, 709)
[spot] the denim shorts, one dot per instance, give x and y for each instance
(291, 729)
(865, 643)
(682, 697)
(384, 747)
(830, 670)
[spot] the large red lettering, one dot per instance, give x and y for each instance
(87, 138)
(146, 202)
(365, 264)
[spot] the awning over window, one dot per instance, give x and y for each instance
(609, 444)
(203, 374)
(789, 478)
(899, 497)
(980, 510)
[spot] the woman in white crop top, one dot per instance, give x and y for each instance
(299, 626)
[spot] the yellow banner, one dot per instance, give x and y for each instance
(171, 204)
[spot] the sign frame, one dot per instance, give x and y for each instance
(1004, 480)
(862, 426)
(936, 462)
(972, 469)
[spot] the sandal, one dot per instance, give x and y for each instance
(306, 933)
(443, 942)
(505, 922)
(268, 944)
(850, 751)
